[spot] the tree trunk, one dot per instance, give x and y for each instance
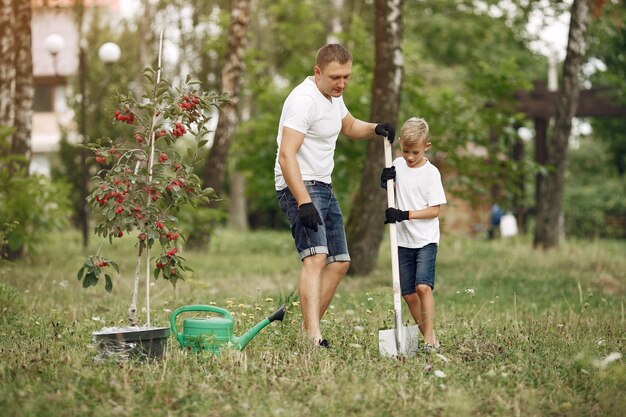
(7, 66)
(365, 225)
(551, 199)
(24, 86)
(217, 161)
(238, 212)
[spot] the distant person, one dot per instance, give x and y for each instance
(312, 117)
(419, 194)
(494, 221)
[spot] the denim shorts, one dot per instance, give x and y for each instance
(330, 237)
(417, 266)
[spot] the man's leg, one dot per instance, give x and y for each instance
(310, 289)
(331, 276)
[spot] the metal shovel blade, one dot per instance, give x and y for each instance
(388, 346)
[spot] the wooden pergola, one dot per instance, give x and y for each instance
(540, 104)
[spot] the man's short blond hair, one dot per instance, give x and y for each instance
(333, 52)
(414, 131)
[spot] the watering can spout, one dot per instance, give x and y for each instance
(245, 338)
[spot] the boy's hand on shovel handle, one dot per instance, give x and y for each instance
(393, 215)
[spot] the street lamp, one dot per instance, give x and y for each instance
(108, 53)
(54, 44)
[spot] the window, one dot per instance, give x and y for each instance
(44, 94)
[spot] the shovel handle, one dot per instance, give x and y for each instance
(395, 269)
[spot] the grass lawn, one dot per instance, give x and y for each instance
(525, 333)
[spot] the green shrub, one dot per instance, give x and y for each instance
(29, 206)
(588, 209)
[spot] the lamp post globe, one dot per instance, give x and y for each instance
(54, 44)
(109, 52)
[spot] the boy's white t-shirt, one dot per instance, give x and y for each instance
(308, 111)
(417, 189)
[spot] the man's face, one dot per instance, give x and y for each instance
(332, 80)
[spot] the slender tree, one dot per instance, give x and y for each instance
(7, 63)
(16, 80)
(217, 161)
(365, 226)
(551, 199)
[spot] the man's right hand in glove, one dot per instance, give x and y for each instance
(387, 174)
(386, 129)
(393, 215)
(309, 216)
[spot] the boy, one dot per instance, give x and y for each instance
(419, 193)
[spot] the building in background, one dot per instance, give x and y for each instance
(52, 116)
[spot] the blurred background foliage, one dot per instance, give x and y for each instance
(463, 60)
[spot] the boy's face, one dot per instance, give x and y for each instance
(332, 80)
(414, 154)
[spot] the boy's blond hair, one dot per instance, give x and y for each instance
(414, 131)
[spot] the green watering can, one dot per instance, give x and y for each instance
(210, 334)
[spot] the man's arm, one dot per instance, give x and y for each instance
(357, 129)
(289, 146)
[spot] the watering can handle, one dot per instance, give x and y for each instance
(195, 307)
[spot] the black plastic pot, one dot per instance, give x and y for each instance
(140, 343)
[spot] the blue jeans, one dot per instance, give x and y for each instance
(330, 237)
(417, 266)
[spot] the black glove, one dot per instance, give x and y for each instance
(386, 129)
(393, 215)
(388, 174)
(309, 216)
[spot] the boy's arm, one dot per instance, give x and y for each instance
(393, 215)
(427, 213)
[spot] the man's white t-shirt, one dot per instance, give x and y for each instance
(417, 189)
(308, 111)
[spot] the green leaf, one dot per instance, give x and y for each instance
(80, 273)
(108, 285)
(115, 266)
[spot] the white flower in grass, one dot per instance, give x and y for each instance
(63, 284)
(355, 345)
(357, 397)
(470, 291)
(370, 299)
(601, 342)
(96, 318)
(440, 374)
(359, 328)
(167, 310)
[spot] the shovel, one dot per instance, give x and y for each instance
(403, 340)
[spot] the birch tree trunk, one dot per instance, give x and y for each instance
(7, 66)
(550, 201)
(24, 86)
(217, 162)
(365, 225)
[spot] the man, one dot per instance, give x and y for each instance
(312, 117)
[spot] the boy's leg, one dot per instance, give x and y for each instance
(427, 314)
(425, 278)
(415, 308)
